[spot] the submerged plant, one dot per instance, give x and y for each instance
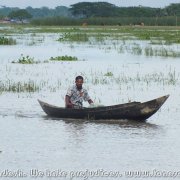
(7, 41)
(137, 50)
(149, 51)
(110, 74)
(25, 60)
(10, 86)
(77, 37)
(64, 58)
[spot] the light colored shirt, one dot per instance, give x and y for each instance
(77, 96)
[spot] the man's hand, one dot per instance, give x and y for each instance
(90, 101)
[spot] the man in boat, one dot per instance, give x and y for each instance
(76, 94)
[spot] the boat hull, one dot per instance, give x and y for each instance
(131, 111)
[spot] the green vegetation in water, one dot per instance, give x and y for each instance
(109, 74)
(149, 79)
(25, 60)
(120, 38)
(136, 49)
(151, 34)
(163, 52)
(32, 83)
(166, 34)
(18, 87)
(142, 31)
(7, 41)
(77, 37)
(64, 58)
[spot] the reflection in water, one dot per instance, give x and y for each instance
(121, 123)
(78, 128)
(78, 125)
(128, 128)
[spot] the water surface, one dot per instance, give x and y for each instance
(29, 140)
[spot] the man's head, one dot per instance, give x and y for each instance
(79, 82)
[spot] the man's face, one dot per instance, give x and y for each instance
(79, 83)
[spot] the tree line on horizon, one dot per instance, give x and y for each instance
(89, 10)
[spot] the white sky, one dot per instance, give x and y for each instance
(54, 3)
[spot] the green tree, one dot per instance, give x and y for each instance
(1, 16)
(21, 15)
(93, 9)
(173, 9)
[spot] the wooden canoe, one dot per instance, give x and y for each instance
(131, 111)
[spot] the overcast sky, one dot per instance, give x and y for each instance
(54, 3)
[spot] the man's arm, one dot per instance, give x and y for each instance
(87, 97)
(68, 102)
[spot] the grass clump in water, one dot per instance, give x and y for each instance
(109, 74)
(64, 58)
(25, 60)
(163, 52)
(19, 87)
(7, 41)
(74, 37)
(137, 50)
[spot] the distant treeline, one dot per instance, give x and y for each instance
(100, 13)
(38, 12)
(97, 9)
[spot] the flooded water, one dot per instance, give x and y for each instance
(35, 146)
